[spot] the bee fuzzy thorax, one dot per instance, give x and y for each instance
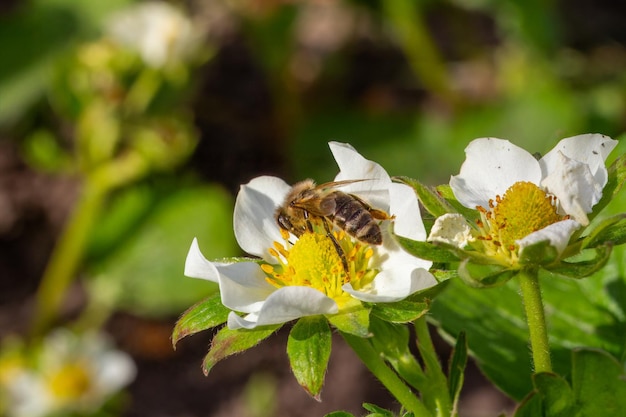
(308, 204)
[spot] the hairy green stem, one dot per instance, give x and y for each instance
(385, 375)
(535, 317)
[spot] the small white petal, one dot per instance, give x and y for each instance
(115, 370)
(286, 304)
(452, 229)
(574, 186)
(353, 166)
(197, 266)
(255, 227)
(404, 206)
(590, 149)
(557, 233)
(243, 286)
(491, 166)
(393, 284)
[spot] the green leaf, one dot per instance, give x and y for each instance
(589, 312)
(354, 321)
(400, 311)
(531, 406)
(599, 383)
(138, 248)
(228, 342)
(432, 201)
(540, 253)
(339, 414)
(456, 371)
(426, 250)
(615, 182)
(556, 395)
(208, 313)
(308, 348)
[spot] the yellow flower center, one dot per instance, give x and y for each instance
(524, 209)
(70, 382)
(323, 262)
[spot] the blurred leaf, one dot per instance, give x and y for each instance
(598, 383)
(586, 312)
(148, 259)
(34, 39)
(308, 348)
(208, 313)
(228, 342)
(456, 371)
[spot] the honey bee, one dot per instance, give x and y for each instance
(308, 203)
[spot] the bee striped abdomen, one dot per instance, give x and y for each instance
(352, 216)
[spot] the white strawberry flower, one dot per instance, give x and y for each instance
(523, 200)
(296, 277)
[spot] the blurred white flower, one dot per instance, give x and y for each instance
(159, 32)
(68, 373)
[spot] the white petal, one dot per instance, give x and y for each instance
(286, 304)
(254, 223)
(492, 166)
(243, 286)
(590, 149)
(393, 284)
(574, 186)
(197, 266)
(557, 233)
(353, 166)
(404, 206)
(115, 370)
(452, 229)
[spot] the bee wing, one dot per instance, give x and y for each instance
(327, 186)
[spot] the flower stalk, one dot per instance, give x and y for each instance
(535, 317)
(376, 365)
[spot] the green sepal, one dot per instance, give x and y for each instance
(615, 182)
(339, 414)
(354, 321)
(426, 250)
(484, 276)
(611, 230)
(445, 191)
(400, 311)
(308, 348)
(377, 411)
(392, 342)
(443, 275)
(228, 342)
(540, 253)
(208, 313)
(531, 406)
(432, 201)
(585, 268)
(456, 369)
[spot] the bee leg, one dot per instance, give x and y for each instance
(338, 248)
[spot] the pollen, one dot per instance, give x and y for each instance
(525, 208)
(71, 381)
(322, 261)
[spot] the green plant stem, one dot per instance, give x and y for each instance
(385, 375)
(436, 394)
(66, 256)
(535, 317)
